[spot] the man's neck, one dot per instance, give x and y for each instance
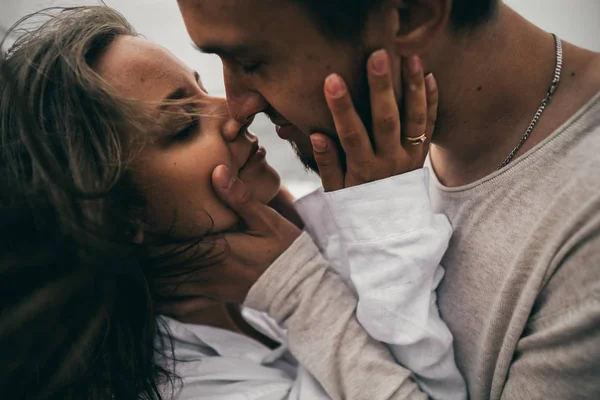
(491, 84)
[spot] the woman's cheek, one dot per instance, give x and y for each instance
(267, 186)
(218, 216)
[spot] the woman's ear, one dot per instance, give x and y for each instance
(417, 23)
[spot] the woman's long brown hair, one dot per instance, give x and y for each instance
(77, 319)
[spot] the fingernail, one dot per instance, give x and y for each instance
(229, 183)
(413, 64)
(430, 83)
(319, 145)
(335, 86)
(379, 61)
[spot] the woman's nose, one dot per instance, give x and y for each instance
(230, 128)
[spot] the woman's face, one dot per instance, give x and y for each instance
(173, 171)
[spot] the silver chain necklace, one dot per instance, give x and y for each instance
(545, 102)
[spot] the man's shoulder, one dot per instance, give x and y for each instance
(578, 157)
(571, 158)
(567, 229)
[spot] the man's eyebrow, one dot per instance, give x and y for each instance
(220, 48)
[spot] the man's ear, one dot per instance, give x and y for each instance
(417, 23)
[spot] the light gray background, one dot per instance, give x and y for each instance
(576, 21)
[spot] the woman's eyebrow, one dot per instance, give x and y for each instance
(179, 93)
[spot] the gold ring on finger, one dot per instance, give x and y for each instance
(416, 141)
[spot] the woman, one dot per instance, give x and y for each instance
(109, 149)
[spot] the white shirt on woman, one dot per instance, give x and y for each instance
(385, 243)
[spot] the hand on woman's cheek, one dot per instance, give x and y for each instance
(180, 198)
(179, 201)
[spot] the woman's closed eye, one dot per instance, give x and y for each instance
(189, 130)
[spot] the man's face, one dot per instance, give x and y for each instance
(275, 60)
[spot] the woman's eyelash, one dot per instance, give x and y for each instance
(188, 130)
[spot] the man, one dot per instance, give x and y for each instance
(522, 287)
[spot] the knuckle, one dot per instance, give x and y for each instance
(243, 197)
(418, 117)
(388, 124)
(365, 170)
(353, 138)
(343, 105)
(414, 89)
(323, 162)
(382, 84)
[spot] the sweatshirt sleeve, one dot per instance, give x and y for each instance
(305, 297)
(392, 243)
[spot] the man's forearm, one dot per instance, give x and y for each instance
(318, 310)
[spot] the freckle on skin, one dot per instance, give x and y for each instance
(573, 74)
(479, 88)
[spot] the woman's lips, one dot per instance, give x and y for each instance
(257, 154)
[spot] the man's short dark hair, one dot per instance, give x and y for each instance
(346, 18)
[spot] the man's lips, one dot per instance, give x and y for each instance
(282, 124)
(284, 128)
(276, 118)
(285, 131)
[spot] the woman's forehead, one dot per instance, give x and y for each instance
(137, 67)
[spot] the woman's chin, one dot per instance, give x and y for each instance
(265, 185)
(267, 191)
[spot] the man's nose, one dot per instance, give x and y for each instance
(243, 99)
